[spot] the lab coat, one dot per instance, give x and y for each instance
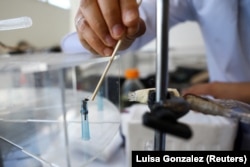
(225, 26)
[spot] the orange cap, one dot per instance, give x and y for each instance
(132, 73)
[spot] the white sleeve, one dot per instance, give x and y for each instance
(70, 44)
(180, 11)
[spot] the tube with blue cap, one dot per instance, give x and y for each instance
(85, 121)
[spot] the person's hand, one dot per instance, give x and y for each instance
(199, 89)
(101, 23)
(222, 90)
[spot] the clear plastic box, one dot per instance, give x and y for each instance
(41, 96)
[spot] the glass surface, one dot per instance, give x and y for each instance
(41, 97)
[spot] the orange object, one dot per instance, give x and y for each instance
(132, 73)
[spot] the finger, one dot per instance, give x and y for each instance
(92, 14)
(90, 40)
(86, 45)
(112, 15)
(130, 13)
(130, 16)
(133, 33)
(129, 38)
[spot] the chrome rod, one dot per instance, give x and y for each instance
(161, 63)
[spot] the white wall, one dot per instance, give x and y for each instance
(50, 23)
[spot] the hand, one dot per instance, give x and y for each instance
(101, 23)
(222, 90)
(199, 89)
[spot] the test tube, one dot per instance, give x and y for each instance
(85, 120)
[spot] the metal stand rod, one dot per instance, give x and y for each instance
(61, 79)
(161, 63)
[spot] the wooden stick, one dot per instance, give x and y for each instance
(106, 69)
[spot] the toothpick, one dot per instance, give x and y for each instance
(109, 63)
(106, 69)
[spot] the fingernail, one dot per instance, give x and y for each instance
(117, 30)
(107, 52)
(130, 16)
(110, 41)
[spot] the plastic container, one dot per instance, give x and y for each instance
(40, 116)
(131, 83)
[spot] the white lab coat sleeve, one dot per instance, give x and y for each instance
(70, 44)
(181, 11)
